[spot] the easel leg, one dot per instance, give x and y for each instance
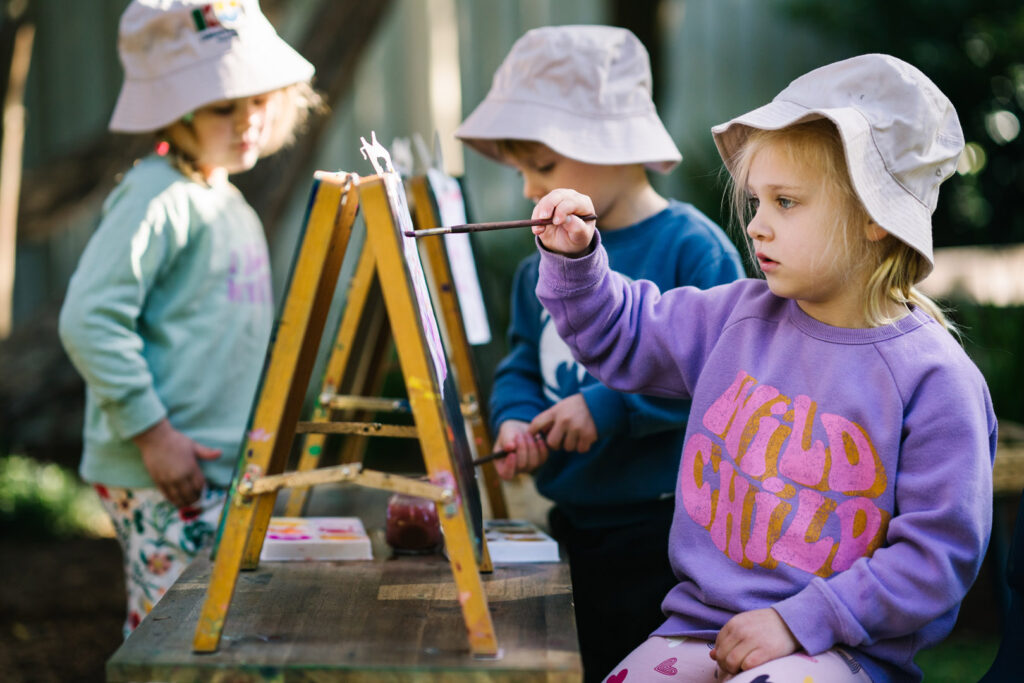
(281, 393)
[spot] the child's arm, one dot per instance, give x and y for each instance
(629, 335)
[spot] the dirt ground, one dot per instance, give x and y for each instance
(61, 610)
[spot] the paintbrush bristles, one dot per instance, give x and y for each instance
(481, 227)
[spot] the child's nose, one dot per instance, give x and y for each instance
(532, 189)
(757, 228)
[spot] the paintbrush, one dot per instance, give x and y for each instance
(480, 227)
(501, 454)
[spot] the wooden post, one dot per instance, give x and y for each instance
(11, 145)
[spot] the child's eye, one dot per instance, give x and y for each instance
(222, 109)
(785, 203)
(546, 168)
(753, 203)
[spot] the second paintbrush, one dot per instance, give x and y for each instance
(481, 227)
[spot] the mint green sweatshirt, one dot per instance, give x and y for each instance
(168, 315)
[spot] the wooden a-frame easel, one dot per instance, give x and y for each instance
(286, 375)
(350, 386)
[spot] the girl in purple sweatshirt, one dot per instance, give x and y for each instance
(834, 493)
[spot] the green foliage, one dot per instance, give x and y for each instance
(45, 501)
(958, 659)
(993, 337)
(972, 50)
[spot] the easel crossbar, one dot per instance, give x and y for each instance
(365, 428)
(346, 473)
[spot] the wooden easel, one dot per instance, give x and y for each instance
(358, 330)
(286, 375)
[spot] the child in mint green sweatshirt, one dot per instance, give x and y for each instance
(168, 314)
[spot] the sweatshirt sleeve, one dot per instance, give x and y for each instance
(100, 317)
(630, 335)
(517, 392)
(936, 541)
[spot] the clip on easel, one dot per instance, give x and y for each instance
(432, 400)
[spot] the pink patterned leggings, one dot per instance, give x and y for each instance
(675, 659)
(158, 540)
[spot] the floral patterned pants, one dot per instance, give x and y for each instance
(158, 540)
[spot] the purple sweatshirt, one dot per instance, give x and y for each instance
(840, 476)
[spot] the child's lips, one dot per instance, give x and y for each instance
(765, 263)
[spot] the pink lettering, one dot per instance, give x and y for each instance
(800, 545)
(719, 415)
(803, 461)
(860, 523)
(855, 467)
(769, 511)
(731, 512)
(693, 491)
(769, 432)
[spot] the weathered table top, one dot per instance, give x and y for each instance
(392, 618)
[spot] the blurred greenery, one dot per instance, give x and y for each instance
(958, 659)
(993, 337)
(972, 50)
(42, 501)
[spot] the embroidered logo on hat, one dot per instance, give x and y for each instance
(219, 15)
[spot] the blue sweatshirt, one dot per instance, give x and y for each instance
(168, 315)
(634, 462)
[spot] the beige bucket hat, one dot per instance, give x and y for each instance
(901, 136)
(179, 55)
(584, 91)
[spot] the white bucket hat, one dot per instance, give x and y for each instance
(179, 55)
(584, 91)
(901, 136)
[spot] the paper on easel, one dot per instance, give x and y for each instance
(452, 209)
(316, 538)
(517, 540)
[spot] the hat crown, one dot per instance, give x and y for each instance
(159, 37)
(597, 71)
(913, 125)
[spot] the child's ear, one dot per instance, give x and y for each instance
(873, 231)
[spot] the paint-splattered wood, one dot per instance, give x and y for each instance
(382, 620)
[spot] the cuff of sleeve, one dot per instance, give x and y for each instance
(562, 274)
(135, 414)
(607, 408)
(818, 619)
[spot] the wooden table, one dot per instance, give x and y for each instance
(392, 619)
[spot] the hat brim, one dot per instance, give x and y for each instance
(639, 138)
(889, 204)
(149, 105)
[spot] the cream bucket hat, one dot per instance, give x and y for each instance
(901, 136)
(584, 91)
(181, 54)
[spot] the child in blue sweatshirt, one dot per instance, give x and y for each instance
(571, 107)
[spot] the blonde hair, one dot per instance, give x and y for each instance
(293, 106)
(816, 145)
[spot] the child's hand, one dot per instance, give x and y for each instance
(171, 459)
(566, 234)
(568, 424)
(527, 452)
(752, 638)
